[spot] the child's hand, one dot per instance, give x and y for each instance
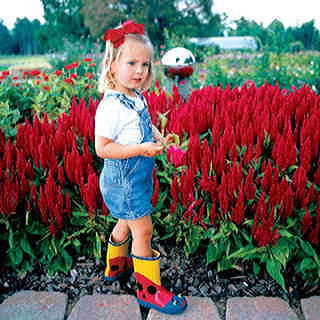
(169, 139)
(151, 149)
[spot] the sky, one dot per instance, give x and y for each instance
(289, 12)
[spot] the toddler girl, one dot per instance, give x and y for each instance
(128, 142)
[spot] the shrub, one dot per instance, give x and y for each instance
(243, 184)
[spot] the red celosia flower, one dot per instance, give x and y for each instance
(249, 187)
(176, 156)
(213, 213)
(2, 141)
(73, 76)
(306, 222)
(87, 59)
(238, 211)
(9, 197)
(156, 189)
(46, 88)
(314, 235)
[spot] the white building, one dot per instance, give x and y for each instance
(227, 43)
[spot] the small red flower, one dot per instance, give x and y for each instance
(35, 73)
(46, 88)
(89, 75)
(71, 66)
(58, 72)
(68, 80)
(87, 60)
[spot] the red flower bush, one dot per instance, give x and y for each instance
(263, 144)
(249, 157)
(51, 148)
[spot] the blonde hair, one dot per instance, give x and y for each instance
(106, 79)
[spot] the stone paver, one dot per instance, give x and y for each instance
(259, 308)
(198, 309)
(32, 305)
(106, 307)
(311, 308)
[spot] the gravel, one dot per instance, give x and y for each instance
(188, 276)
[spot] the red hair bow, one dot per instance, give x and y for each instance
(116, 36)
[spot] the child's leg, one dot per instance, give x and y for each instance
(146, 264)
(120, 231)
(141, 231)
(117, 262)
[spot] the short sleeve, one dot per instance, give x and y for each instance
(107, 118)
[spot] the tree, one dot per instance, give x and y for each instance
(308, 35)
(25, 36)
(63, 21)
(277, 36)
(181, 17)
(246, 27)
(5, 39)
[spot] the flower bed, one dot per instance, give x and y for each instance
(243, 183)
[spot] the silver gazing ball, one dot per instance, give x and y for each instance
(178, 62)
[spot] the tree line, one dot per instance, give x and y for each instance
(86, 20)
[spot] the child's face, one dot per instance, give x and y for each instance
(132, 68)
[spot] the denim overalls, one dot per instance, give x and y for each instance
(126, 184)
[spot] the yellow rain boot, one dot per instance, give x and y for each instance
(150, 293)
(118, 264)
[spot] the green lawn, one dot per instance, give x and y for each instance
(24, 62)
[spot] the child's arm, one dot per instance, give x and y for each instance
(107, 148)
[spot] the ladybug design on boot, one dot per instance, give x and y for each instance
(150, 293)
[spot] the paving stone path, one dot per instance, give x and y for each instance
(32, 305)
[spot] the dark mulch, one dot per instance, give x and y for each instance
(188, 276)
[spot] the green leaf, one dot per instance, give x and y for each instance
(16, 256)
(256, 268)
(306, 264)
(248, 251)
(76, 243)
(224, 264)
(281, 253)
(25, 245)
(274, 269)
(211, 253)
(97, 250)
(67, 259)
(285, 233)
(308, 249)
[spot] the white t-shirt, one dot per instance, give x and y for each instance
(115, 121)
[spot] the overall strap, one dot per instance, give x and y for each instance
(128, 103)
